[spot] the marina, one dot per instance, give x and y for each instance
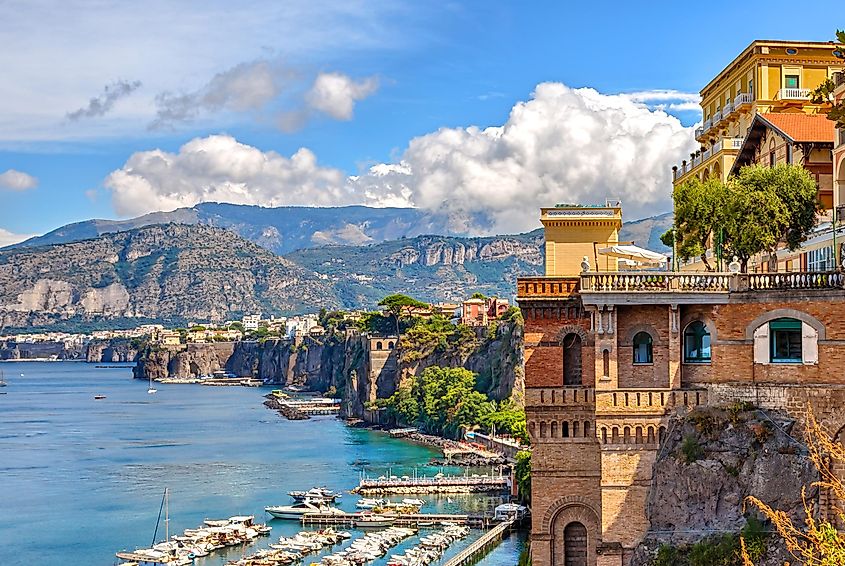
(133, 444)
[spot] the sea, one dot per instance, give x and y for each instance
(81, 478)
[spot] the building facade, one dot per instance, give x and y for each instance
(611, 356)
(767, 77)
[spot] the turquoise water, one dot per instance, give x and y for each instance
(82, 478)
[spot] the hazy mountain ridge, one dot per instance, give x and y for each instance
(164, 272)
(286, 229)
(178, 272)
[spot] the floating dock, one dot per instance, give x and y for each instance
(400, 520)
(441, 484)
(487, 542)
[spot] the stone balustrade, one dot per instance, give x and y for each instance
(649, 401)
(546, 287)
(575, 397)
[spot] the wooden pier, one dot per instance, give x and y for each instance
(487, 542)
(400, 520)
(437, 484)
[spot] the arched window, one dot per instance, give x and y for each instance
(379, 345)
(643, 348)
(696, 343)
(605, 363)
(572, 359)
(390, 345)
(785, 341)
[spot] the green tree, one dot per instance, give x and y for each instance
(699, 211)
(824, 92)
(399, 305)
(767, 207)
(522, 471)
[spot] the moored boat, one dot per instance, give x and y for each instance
(374, 522)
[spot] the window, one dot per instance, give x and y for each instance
(789, 153)
(696, 343)
(820, 259)
(785, 340)
(790, 81)
(772, 158)
(643, 348)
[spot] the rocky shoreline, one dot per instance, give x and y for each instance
(286, 411)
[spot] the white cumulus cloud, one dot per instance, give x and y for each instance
(562, 145)
(17, 180)
(220, 169)
(335, 94)
(8, 238)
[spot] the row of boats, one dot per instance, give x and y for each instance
(369, 547)
(293, 549)
(181, 550)
(430, 548)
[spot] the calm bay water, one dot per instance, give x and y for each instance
(82, 478)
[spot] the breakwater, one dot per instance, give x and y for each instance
(437, 484)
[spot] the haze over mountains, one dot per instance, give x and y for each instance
(218, 261)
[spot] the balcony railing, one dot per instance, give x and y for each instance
(793, 94)
(731, 143)
(727, 110)
(801, 280)
(699, 132)
(682, 282)
(743, 98)
(708, 123)
(653, 281)
(839, 78)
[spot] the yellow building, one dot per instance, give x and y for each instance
(767, 77)
(576, 232)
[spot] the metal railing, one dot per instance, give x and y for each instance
(699, 132)
(793, 94)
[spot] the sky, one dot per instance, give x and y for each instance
(482, 110)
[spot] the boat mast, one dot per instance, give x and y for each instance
(167, 513)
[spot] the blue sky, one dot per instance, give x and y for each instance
(358, 84)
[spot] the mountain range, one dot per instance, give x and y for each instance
(217, 261)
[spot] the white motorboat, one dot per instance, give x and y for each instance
(374, 522)
(369, 503)
(413, 502)
(297, 510)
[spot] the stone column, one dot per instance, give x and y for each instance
(675, 347)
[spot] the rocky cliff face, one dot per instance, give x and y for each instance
(341, 361)
(710, 461)
(169, 272)
(116, 350)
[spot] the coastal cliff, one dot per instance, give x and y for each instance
(115, 350)
(341, 362)
(711, 460)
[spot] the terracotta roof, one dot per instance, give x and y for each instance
(800, 127)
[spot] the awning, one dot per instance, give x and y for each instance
(634, 253)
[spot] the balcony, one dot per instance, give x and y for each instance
(724, 144)
(699, 133)
(793, 94)
(708, 123)
(660, 287)
(743, 99)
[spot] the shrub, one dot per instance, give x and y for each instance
(691, 450)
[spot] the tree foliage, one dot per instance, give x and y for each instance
(439, 400)
(817, 542)
(824, 92)
(759, 210)
(522, 471)
(698, 215)
(399, 306)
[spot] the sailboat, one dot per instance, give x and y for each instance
(152, 389)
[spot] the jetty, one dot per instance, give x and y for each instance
(399, 519)
(436, 484)
(484, 544)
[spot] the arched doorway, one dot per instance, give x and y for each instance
(575, 544)
(572, 359)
